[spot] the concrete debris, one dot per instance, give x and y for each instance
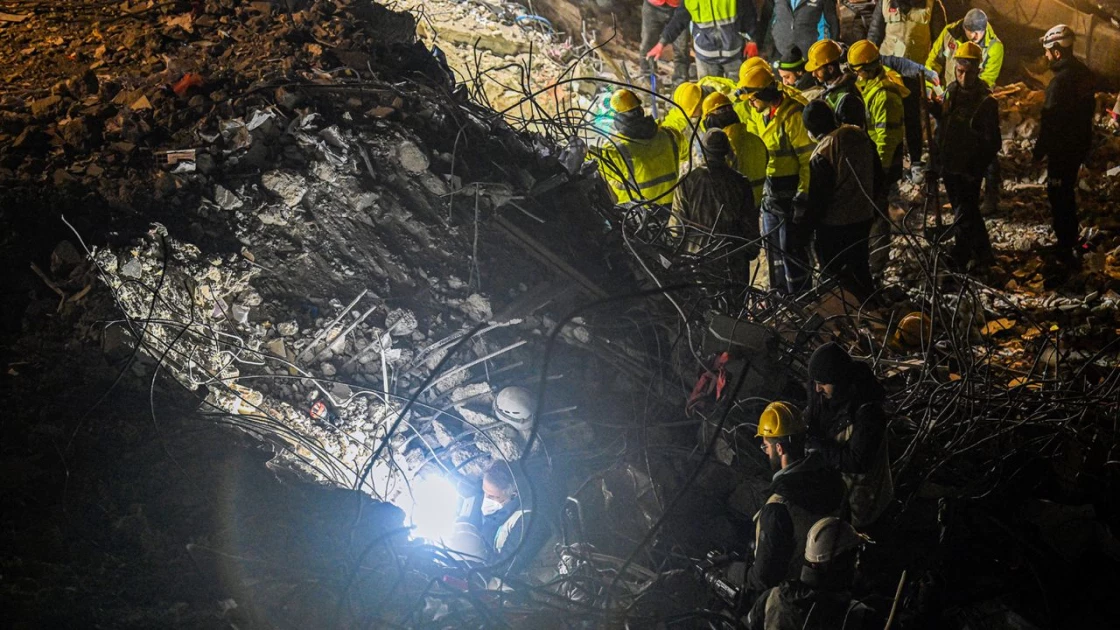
(290, 187)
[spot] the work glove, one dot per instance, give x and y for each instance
(800, 208)
(750, 50)
(655, 52)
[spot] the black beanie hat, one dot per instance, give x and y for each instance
(716, 143)
(793, 60)
(830, 365)
(818, 118)
(850, 110)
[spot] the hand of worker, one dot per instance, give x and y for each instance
(750, 50)
(655, 52)
(800, 208)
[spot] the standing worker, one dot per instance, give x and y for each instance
(975, 29)
(883, 98)
(1066, 134)
(824, 64)
(968, 139)
(655, 15)
(718, 28)
(901, 28)
(822, 598)
(715, 213)
(800, 23)
(791, 69)
(803, 491)
(685, 119)
(844, 177)
(848, 427)
(748, 152)
(641, 162)
(787, 179)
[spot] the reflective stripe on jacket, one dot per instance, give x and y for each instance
(715, 29)
(789, 149)
(884, 115)
(941, 55)
(750, 157)
(639, 170)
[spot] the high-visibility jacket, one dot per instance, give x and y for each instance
(884, 115)
(715, 29)
(904, 33)
(789, 149)
(952, 36)
(637, 169)
(723, 85)
(686, 128)
(752, 118)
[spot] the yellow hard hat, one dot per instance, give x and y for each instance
(687, 96)
(758, 78)
(914, 330)
(624, 100)
(862, 53)
(969, 50)
(714, 101)
(780, 419)
(822, 53)
(751, 64)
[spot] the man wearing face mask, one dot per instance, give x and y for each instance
(803, 490)
(848, 429)
(497, 523)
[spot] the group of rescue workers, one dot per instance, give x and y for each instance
(799, 157)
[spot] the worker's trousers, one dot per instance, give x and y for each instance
(912, 118)
(654, 20)
(843, 254)
(787, 248)
(1061, 188)
(728, 68)
(970, 233)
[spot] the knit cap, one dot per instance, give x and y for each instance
(830, 364)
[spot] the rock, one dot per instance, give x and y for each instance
(226, 199)
(411, 158)
(132, 269)
(288, 99)
(64, 258)
(328, 369)
(288, 329)
(400, 322)
(289, 186)
(45, 106)
(477, 308)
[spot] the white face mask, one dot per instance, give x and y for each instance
(489, 506)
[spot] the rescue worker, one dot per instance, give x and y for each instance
(822, 598)
(495, 527)
(901, 28)
(850, 110)
(883, 98)
(914, 77)
(685, 118)
(717, 34)
(824, 64)
(641, 162)
(787, 179)
(655, 15)
(748, 153)
(844, 177)
(714, 211)
(791, 69)
(974, 27)
(1065, 135)
(803, 491)
(968, 139)
(800, 23)
(848, 427)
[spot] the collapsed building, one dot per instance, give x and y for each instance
(293, 251)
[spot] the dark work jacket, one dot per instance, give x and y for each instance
(859, 403)
(801, 26)
(1066, 130)
(514, 553)
(796, 606)
(846, 84)
(845, 177)
(715, 199)
(808, 485)
(968, 136)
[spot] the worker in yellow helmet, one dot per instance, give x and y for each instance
(748, 153)
(785, 196)
(803, 491)
(640, 162)
(823, 63)
(747, 115)
(883, 98)
(685, 118)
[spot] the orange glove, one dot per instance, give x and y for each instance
(655, 52)
(750, 50)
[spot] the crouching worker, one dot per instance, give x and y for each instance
(803, 491)
(821, 599)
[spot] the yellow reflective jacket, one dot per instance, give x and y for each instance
(788, 145)
(884, 115)
(723, 85)
(637, 169)
(685, 128)
(941, 55)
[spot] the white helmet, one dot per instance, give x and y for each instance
(515, 406)
(830, 537)
(1060, 35)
